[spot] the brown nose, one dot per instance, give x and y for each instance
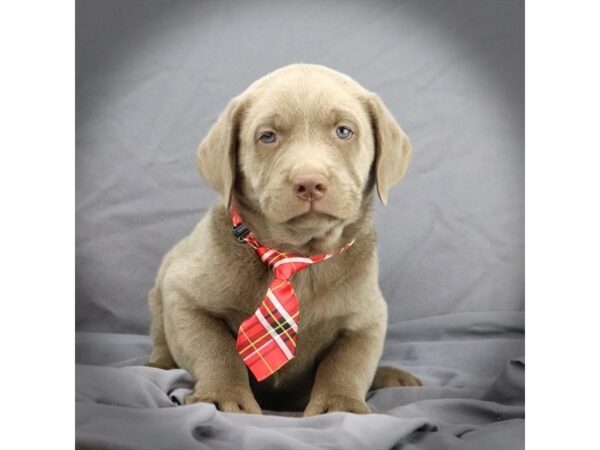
(310, 187)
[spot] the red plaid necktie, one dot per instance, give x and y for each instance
(267, 339)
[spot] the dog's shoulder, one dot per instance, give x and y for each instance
(214, 271)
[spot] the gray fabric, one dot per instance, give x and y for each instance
(472, 398)
(152, 77)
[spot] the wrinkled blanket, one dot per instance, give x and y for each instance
(471, 365)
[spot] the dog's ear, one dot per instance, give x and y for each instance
(393, 151)
(217, 153)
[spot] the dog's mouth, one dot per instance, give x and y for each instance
(313, 227)
(307, 226)
(313, 218)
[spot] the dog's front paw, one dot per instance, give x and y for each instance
(392, 377)
(336, 403)
(227, 401)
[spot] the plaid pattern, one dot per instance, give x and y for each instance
(267, 339)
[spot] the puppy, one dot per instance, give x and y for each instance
(298, 155)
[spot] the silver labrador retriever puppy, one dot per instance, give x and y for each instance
(299, 155)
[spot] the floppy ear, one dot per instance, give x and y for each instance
(216, 154)
(392, 147)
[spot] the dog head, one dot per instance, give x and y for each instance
(303, 147)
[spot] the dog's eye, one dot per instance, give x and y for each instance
(344, 132)
(268, 137)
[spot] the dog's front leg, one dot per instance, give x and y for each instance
(204, 346)
(346, 371)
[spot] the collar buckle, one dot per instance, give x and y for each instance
(240, 232)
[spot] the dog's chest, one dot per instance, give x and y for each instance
(322, 310)
(313, 339)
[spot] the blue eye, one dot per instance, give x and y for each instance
(344, 133)
(268, 137)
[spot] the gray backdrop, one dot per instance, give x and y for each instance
(152, 77)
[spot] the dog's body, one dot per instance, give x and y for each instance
(298, 155)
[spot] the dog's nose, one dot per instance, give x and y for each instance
(310, 187)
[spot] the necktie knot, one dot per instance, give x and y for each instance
(285, 265)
